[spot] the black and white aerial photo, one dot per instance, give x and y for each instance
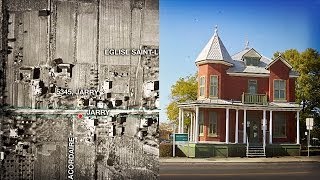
(79, 89)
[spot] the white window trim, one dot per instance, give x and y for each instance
(285, 91)
(210, 95)
(210, 134)
(274, 125)
(204, 86)
(256, 82)
(201, 120)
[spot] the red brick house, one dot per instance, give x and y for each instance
(245, 106)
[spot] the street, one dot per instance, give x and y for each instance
(258, 171)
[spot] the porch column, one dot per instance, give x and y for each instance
(191, 127)
(244, 126)
(237, 126)
(193, 122)
(179, 126)
(188, 134)
(227, 125)
(197, 125)
(182, 121)
(270, 128)
(298, 128)
(264, 125)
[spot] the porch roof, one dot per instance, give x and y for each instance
(220, 103)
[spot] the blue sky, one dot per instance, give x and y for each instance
(269, 26)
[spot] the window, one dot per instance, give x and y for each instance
(202, 82)
(279, 125)
(252, 86)
(212, 124)
(213, 86)
(252, 61)
(279, 89)
(201, 123)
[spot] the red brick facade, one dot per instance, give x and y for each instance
(257, 89)
(231, 87)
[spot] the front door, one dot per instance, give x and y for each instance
(252, 86)
(253, 130)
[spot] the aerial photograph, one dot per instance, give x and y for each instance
(79, 89)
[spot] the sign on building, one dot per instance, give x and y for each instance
(181, 137)
(309, 123)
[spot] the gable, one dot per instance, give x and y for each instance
(279, 70)
(251, 58)
(277, 60)
(252, 53)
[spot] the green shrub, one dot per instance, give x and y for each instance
(165, 150)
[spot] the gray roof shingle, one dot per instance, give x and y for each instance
(214, 51)
(239, 64)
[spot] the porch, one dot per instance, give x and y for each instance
(237, 126)
(205, 150)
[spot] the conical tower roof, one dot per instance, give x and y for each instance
(215, 51)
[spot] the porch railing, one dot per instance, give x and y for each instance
(248, 98)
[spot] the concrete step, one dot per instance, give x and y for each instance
(256, 155)
(255, 151)
(255, 147)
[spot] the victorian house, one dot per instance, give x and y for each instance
(245, 107)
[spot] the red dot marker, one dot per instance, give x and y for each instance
(80, 116)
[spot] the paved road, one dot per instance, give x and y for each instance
(256, 171)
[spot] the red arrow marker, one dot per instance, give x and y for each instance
(80, 116)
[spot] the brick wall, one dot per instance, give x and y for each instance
(232, 87)
(258, 115)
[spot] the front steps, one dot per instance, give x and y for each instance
(256, 151)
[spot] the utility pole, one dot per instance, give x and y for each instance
(309, 143)
(173, 141)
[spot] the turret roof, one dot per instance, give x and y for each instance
(215, 51)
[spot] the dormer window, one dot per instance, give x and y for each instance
(251, 58)
(251, 61)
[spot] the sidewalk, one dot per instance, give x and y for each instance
(241, 160)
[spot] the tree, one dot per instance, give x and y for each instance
(307, 63)
(185, 89)
(165, 130)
